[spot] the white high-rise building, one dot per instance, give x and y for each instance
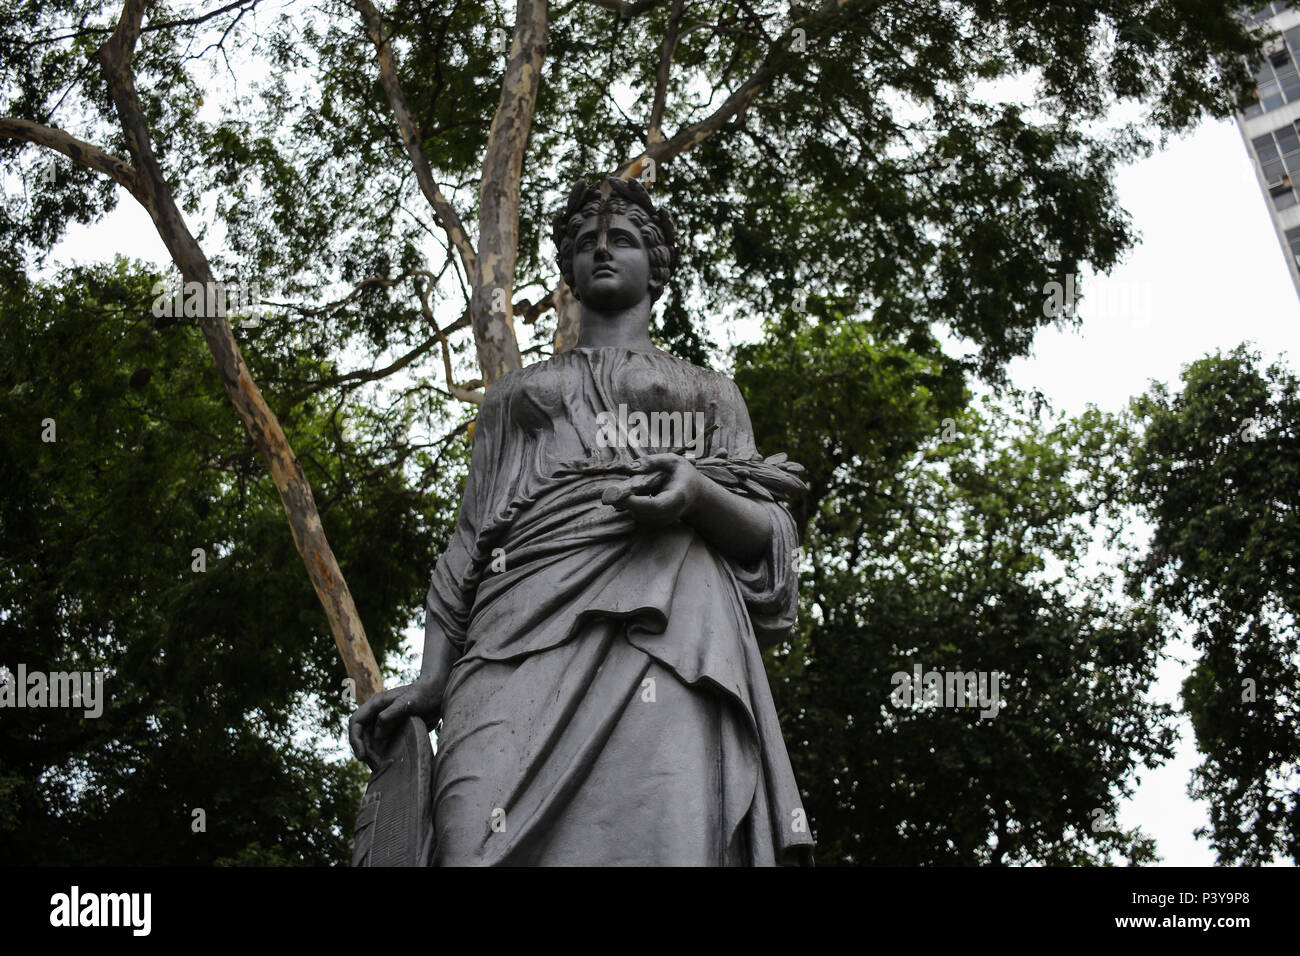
(1271, 128)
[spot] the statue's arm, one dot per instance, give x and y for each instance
(439, 655)
(376, 720)
(734, 525)
(449, 601)
(737, 526)
(446, 612)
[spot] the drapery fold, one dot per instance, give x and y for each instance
(540, 577)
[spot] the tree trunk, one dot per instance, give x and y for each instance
(295, 492)
(568, 315)
(491, 298)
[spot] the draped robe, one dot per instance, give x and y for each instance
(609, 705)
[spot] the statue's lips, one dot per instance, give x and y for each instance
(603, 271)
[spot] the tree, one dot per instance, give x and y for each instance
(951, 538)
(142, 541)
(789, 138)
(1217, 474)
(389, 171)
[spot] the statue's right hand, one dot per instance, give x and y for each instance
(376, 719)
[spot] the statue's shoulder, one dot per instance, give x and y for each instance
(722, 385)
(709, 382)
(718, 384)
(511, 380)
(721, 380)
(560, 361)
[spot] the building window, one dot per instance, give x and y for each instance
(1278, 80)
(1278, 154)
(1293, 241)
(1271, 9)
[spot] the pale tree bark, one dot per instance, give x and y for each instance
(80, 152)
(154, 194)
(654, 129)
(490, 307)
(568, 315)
(491, 267)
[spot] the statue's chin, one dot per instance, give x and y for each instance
(597, 302)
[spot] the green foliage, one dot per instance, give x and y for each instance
(1218, 476)
(909, 170)
(952, 537)
(216, 680)
(915, 161)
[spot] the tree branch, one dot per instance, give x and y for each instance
(443, 211)
(664, 150)
(531, 311)
(263, 427)
(352, 296)
(654, 134)
(371, 375)
(78, 151)
(160, 25)
(493, 283)
(626, 11)
(464, 393)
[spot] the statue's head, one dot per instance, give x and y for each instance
(614, 246)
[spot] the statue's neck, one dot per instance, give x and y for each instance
(628, 328)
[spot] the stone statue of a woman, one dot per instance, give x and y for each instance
(594, 628)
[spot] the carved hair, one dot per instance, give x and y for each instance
(622, 197)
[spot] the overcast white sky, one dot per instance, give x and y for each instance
(1208, 275)
(1212, 271)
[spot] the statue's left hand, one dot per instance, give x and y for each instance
(665, 490)
(376, 719)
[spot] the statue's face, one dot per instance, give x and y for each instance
(611, 266)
